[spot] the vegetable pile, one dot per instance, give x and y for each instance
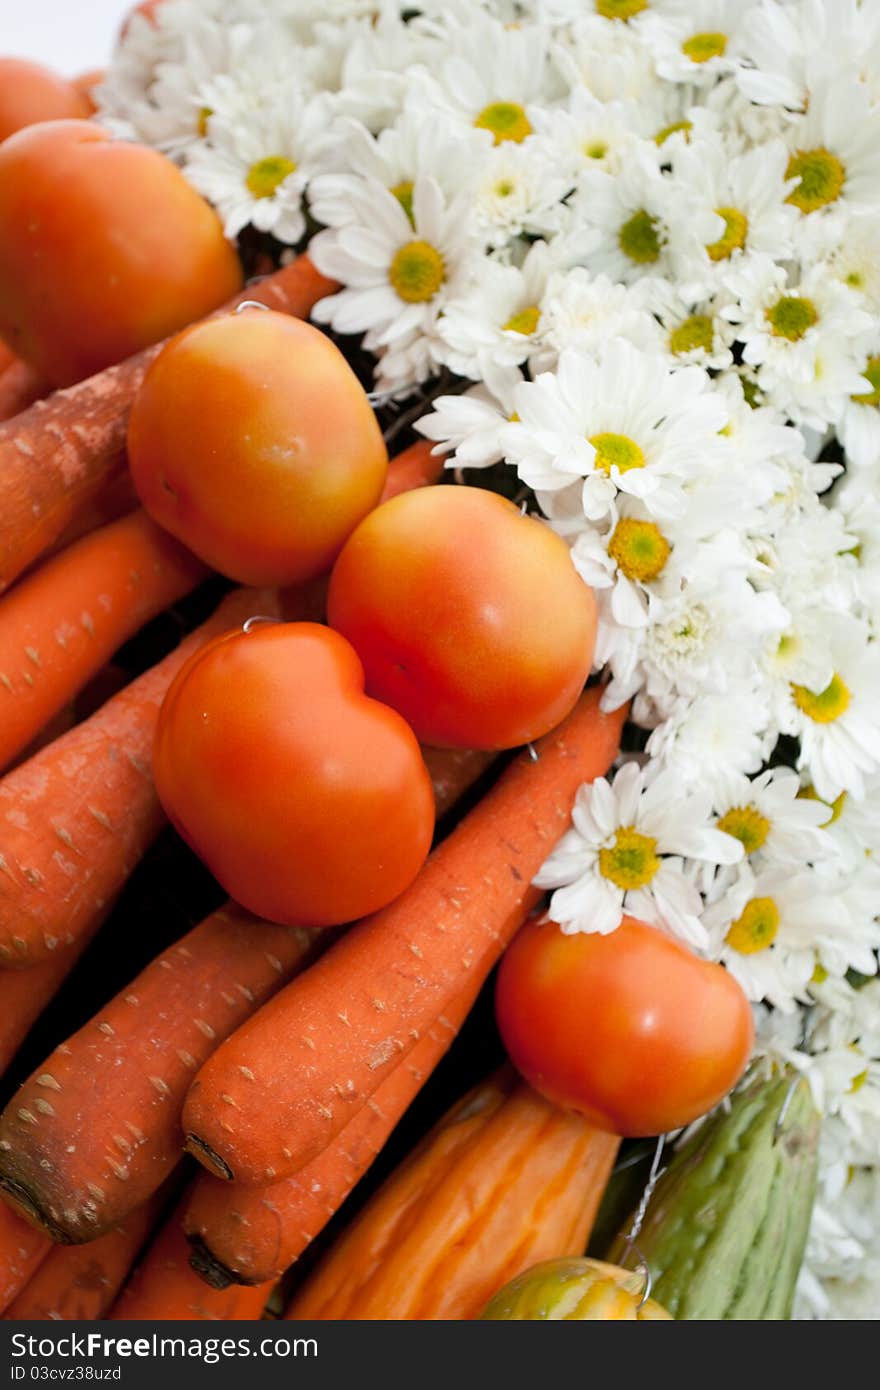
(381, 723)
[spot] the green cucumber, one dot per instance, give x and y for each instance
(726, 1225)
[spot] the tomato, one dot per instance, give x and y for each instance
(104, 249)
(310, 802)
(470, 618)
(254, 443)
(30, 93)
(632, 1029)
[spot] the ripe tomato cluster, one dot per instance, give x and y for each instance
(290, 754)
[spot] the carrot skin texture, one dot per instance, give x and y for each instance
(248, 1235)
(20, 387)
(80, 1282)
(504, 1181)
(394, 973)
(75, 818)
(22, 1251)
(114, 1091)
(164, 1287)
(58, 455)
(61, 624)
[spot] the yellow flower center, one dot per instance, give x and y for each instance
(663, 135)
(756, 928)
(835, 807)
(504, 188)
(855, 278)
(265, 176)
(620, 9)
(616, 451)
(791, 316)
(630, 862)
(826, 705)
(205, 114)
(822, 176)
(751, 392)
(639, 238)
(640, 549)
(417, 272)
(736, 226)
(746, 824)
(858, 1082)
(403, 192)
(525, 322)
(701, 47)
(693, 333)
(819, 975)
(872, 372)
(595, 149)
(507, 120)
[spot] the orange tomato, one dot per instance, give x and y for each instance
(631, 1029)
(30, 93)
(104, 249)
(254, 443)
(470, 618)
(310, 802)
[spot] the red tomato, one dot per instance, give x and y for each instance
(254, 443)
(104, 249)
(309, 801)
(632, 1029)
(30, 93)
(470, 618)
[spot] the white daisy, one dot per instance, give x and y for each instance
(769, 815)
(498, 323)
(705, 740)
(835, 151)
(625, 423)
(858, 424)
(789, 44)
(517, 190)
(623, 855)
(696, 42)
(585, 311)
(473, 426)
(256, 171)
(587, 132)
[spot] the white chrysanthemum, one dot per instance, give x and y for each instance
(647, 224)
(835, 150)
(856, 501)
(698, 41)
(765, 926)
(625, 423)
(748, 192)
(711, 737)
(398, 273)
(256, 171)
(838, 722)
(694, 332)
(768, 815)
(517, 190)
(473, 427)
(585, 311)
(858, 424)
(805, 340)
(790, 44)
(624, 852)
(498, 323)
(588, 133)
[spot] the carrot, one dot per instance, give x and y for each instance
(81, 1281)
(20, 387)
(128, 1070)
(504, 1181)
(59, 454)
(7, 356)
(301, 1067)
(77, 816)
(61, 624)
(246, 1235)
(164, 1288)
(22, 1251)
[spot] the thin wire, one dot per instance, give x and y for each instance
(786, 1105)
(250, 623)
(250, 304)
(639, 1219)
(533, 753)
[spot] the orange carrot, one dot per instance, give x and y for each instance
(165, 1288)
(247, 1235)
(77, 816)
(504, 1181)
(117, 499)
(7, 357)
(59, 454)
(128, 1069)
(22, 1251)
(81, 1281)
(300, 1068)
(61, 624)
(20, 387)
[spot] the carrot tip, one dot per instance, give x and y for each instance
(23, 1201)
(208, 1267)
(208, 1158)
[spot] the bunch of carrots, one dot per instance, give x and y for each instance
(102, 1215)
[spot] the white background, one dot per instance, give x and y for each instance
(68, 35)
